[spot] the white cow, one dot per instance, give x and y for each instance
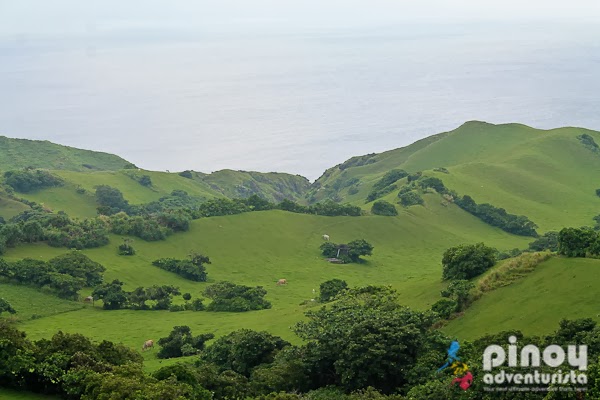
(326, 238)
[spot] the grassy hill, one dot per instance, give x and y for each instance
(23, 153)
(549, 176)
(558, 288)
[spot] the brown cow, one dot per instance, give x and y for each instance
(282, 282)
(148, 344)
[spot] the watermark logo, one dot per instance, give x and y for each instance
(464, 377)
(541, 367)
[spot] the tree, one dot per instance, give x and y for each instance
(547, 241)
(358, 248)
(112, 295)
(331, 288)
(6, 307)
(227, 296)
(32, 231)
(432, 182)
(110, 199)
(79, 265)
(243, 350)
(364, 339)
(575, 242)
(410, 198)
(126, 249)
(180, 336)
(187, 296)
(444, 307)
(145, 180)
(460, 292)
(383, 207)
(467, 261)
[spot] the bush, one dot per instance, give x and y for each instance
(382, 207)
(331, 288)
(444, 307)
(227, 296)
(411, 198)
(375, 194)
(28, 180)
(548, 241)
(195, 305)
(187, 174)
(598, 192)
(192, 269)
(467, 261)
(389, 178)
(6, 307)
(414, 176)
(110, 200)
(434, 183)
(145, 180)
(577, 242)
(180, 336)
(126, 249)
(176, 308)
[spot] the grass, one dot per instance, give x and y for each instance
(261, 247)
(558, 288)
(31, 301)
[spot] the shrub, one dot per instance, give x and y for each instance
(375, 194)
(171, 346)
(227, 296)
(432, 182)
(126, 249)
(192, 269)
(29, 180)
(467, 261)
(353, 190)
(382, 207)
(331, 288)
(389, 178)
(110, 200)
(145, 180)
(414, 176)
(411, 198)
(598, 192)
(187, 296)
(187, 174)
(176, 308)
(196, 305)
(576, 242)
(548, 241)
(444, 307)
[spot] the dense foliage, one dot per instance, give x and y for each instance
(385, 184)
(6, 307)
(467, 261)
(192, 269)
(331, 288)
(151, 298)
(410, 198)
(385, 208)
(350, 252)
(578, 242)
(227, 296)
(180, 342)
(29, 180)
(495, 216)
(243, 350)
(64, 275)
(547, 241)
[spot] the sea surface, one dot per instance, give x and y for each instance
(296, 102)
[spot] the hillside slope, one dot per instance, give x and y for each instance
(548, 175)
(23, 153)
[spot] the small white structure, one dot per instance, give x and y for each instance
(326, 238)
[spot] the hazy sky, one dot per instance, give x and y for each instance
(32, 17)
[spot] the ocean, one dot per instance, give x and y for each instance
(296, 102)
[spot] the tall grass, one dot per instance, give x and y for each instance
(510, 271)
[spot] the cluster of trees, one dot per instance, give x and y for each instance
(386, 184)
(579, 242)
(64, 275)
(348, 253)
(495, 216)
(192, 269)
(73, 367)
(228, 296)
(331, 288)
(181, 342)
(363, 346)
(467, 261)
(57, 229)
(385, 208)
(29, 180)
(151, 298)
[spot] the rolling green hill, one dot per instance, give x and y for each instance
(23, 153)
(549, 176)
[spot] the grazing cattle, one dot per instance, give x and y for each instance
(326, 238)
(282, 282)
(148, 344)
(88, 299)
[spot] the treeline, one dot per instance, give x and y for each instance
(363, 346)
(63, 275)
(579, 242)
(495, 216)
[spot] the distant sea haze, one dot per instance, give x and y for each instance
(297, 103)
